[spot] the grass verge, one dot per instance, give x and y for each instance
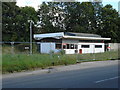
(20, 62)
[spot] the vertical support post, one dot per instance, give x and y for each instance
(12, 45)
(110, 51)
(0, 44)
(93, 51)
(61, 47)
(76, 47)
(30, 37)
(51, 50)
(118, 51)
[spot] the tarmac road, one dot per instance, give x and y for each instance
(95, 77)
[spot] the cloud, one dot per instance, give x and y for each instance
(36, 3)
(110, 1)
(33, 3)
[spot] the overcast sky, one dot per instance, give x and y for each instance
(36, 3)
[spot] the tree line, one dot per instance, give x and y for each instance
(84, 17)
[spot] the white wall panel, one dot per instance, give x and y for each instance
(47, 47)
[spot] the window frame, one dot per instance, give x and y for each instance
(58, 47)
(98, 46)
(72, 46)
(84, 46)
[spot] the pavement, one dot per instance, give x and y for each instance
(52, 69)
(100, 74)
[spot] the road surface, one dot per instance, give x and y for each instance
(95, 77)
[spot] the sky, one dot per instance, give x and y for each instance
(36, 3)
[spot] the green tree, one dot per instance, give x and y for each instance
(97, 16)
(110, 26)
(79, 17)
(27, 13)
(9, 11)
(85, 17)
(15, 25)
(50, 17)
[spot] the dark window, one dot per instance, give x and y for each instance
(76, 46)
(68, 46)
(71, 46)
(76, 51)
(64, 46)
(58, 46)
(85, 46)
(98, 46)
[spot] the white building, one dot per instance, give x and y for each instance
(70, 42)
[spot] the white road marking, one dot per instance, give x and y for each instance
(107, 79)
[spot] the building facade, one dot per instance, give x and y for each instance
(71, 42)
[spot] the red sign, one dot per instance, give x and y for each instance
(64, 43)
(108, 47)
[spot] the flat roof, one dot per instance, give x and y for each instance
(59, 35)
(86, 38)
(81, 34)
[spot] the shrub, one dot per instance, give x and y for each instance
(21, 47)
(62, 52)
(51, 52)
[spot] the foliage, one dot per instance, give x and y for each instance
(110, 27)
(19, 62)
(62, 52)
(15, 25)
(51, 52)
(85, 17)
(21, 47)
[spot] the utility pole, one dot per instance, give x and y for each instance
(31, 22)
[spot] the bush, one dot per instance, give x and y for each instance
(21, 47)
(62, 52)
(51, 52)
(19, 62)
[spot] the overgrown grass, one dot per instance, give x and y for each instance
(19, 62)
(99, 56)
(18, 49)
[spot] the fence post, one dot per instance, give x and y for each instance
(12, 44)
(77, 59)
(118, 51)
(109, 51)
(50, 50)
(93, 51)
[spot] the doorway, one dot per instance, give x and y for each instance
(80, 51)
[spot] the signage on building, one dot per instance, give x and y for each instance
(64, 43)
(108, 47)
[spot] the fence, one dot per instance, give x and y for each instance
(18, 47)
(16, 56)
(80, 51)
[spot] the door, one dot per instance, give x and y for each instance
(80, 51)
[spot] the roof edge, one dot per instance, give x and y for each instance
(87, 38)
